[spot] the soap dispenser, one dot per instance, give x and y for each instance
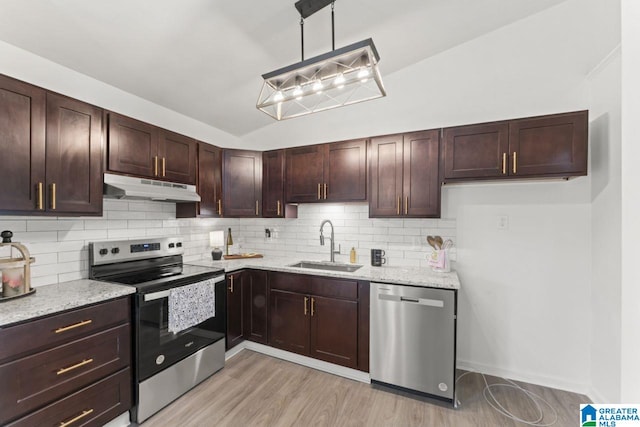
(352, 255)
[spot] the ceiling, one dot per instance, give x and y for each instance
(205, 58)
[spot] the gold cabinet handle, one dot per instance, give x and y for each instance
(39, 197)
(155, 165)
(319, 191)
(75, 325)
(220, 207)
(325, 191)
(313, 306)
(164, 166)
(406, 205)
(53, 196)
(257, 208)
(77, 418)
(72, 367)
(306, 300)
(504, 163)
(278, 208)
(231, 286)
(515, 162)
(398, 207)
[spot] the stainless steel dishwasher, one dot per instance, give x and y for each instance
(413, 338)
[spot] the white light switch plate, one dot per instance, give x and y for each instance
(503, 222)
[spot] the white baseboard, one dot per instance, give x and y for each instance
(122, 420)
(596, 397)
(541, 380)
(309, 362)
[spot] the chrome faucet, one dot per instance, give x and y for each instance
(332, 250)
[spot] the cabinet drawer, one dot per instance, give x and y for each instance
(36, 380)
(334, 288)
(289, 282)
(92, 406)
(61, 328)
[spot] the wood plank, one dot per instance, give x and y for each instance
(258, 390)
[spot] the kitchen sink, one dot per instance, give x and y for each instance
(329, 266)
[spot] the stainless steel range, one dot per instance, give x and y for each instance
(180, 316)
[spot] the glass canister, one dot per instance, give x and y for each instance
(15, 271)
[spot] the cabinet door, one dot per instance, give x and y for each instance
(421, 194)
(133, 147)
(210, 180)
(334, 331)
(345, 171)
(385, 183)
(289, 321)
(242, 183)
(177, 157)
(254, 290)
(74, 156)
(549, 145)
(234, 310)
(476, 151)
(305, 173)
(22, 136)
(273, 184)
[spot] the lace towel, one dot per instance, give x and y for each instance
(190, 305)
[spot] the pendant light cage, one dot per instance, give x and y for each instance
(337, 78)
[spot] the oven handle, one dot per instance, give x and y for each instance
(165, 294)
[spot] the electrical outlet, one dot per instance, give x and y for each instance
(503, 222)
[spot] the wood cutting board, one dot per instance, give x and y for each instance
(240, 256)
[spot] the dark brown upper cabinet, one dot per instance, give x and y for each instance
(335, 172)
(22, 142)
(209, 185)
(141, 149)
(273, 183)
(74, 156)
(544, 146)
(53, 147)
(242, 183)
(404, 175)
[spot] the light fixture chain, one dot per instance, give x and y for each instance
(302, 37)
(333, 27)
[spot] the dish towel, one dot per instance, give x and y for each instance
(191, 304)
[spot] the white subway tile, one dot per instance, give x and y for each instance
(92, 235)
(125, 215)
(44, 259)
(35, 237)
(74, 275)
(13, 225)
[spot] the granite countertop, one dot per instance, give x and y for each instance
(414, 276)
(51, 299)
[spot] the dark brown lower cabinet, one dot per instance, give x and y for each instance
(319, 317)
(255, 305)
(234, 309)
(334, 331)
(247, 307)
(73, 368)
(289, 321)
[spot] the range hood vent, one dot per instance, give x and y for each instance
(126, 187)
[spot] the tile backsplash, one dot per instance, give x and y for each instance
(59, 245)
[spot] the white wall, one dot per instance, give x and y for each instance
(36, 70)
(606, 216)
(534, 66)
(630, 373)
(60, 244)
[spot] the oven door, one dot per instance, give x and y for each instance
(157, 348)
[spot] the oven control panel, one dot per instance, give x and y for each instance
(128, 250)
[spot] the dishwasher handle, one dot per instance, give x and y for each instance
(409, 300)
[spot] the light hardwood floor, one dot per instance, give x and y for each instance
(258, 390)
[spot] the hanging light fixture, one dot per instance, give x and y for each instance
(340, 77)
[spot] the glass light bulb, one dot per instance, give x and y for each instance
(363, 74)
(339, 81)
(297, 92)
(278, 96)
(317, 86)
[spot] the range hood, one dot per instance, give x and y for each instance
(126, 187)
